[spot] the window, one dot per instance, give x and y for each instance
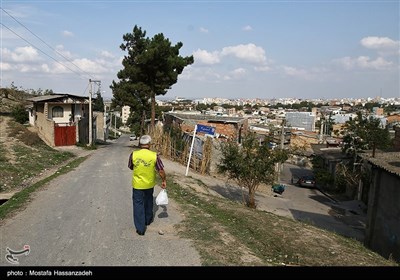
(57, 112)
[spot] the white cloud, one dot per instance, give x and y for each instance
(67, 33)
(67, 54)
(186, 73)
(205, 57)
(247, 28)
(264, 68)
(379, 43)
(203, 30)
(89, 66)
(383, 45)
(207, 74)
(45, 68)
(249, 52)
(26, 68)
(378, 64)
(363, 62)
(5, 66)
(21, 54)
(106, 54)
(236, 74)
(298, 73)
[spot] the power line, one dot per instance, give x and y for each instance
(40, 50)
(60, 54)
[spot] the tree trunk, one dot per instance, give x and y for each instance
(142, 128)
(373, 149)
(252, 199)
(153, 111)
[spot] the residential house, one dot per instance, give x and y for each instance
(332, 155)
(126, 111)
(302, 120)
(382, 233)
(61, 119)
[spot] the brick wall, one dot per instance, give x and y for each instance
(45, 127)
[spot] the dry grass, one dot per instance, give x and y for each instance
(227, 233)
(24, 156)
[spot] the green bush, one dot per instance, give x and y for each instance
(20, 114)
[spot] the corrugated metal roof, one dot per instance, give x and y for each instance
(44, 98)
(389, 161)
(57, 96)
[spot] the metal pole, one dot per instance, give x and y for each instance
(105, 123)
(280, 165)
(191, 150)
(115, 126)
(90, 114)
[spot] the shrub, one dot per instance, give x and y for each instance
(20, 114)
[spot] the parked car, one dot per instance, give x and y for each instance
(305, 181)
(132, 137)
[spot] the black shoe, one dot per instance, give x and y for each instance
(147, 224)
(140, 232)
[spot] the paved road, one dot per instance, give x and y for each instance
(84, 218)
(311, 205)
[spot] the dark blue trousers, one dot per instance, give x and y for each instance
(142, 208)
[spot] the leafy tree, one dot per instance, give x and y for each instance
(98, 103)
(250, 164)
(390, 108)
(151, 67)
(201, 107)
(363, 133)
(322, 176)
(370, 105)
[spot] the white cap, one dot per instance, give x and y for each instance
(145, 139)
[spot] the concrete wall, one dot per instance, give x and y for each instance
(100, 126)
(382, 233)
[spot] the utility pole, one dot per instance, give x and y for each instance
(105, 123)
(321, 131)
(90, 110)
(115, 125)
(282, 142)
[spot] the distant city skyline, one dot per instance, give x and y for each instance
(242, 49)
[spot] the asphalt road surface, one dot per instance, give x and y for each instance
(84, 218)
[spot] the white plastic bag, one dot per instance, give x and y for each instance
(162, 198)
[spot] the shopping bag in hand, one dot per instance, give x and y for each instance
(162, 198)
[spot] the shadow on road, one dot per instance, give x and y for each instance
(329, 223)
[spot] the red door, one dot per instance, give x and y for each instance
(64, 135)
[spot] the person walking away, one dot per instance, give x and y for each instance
(145, 165)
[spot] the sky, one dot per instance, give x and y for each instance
(241, 49)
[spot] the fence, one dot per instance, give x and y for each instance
(176, 146)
